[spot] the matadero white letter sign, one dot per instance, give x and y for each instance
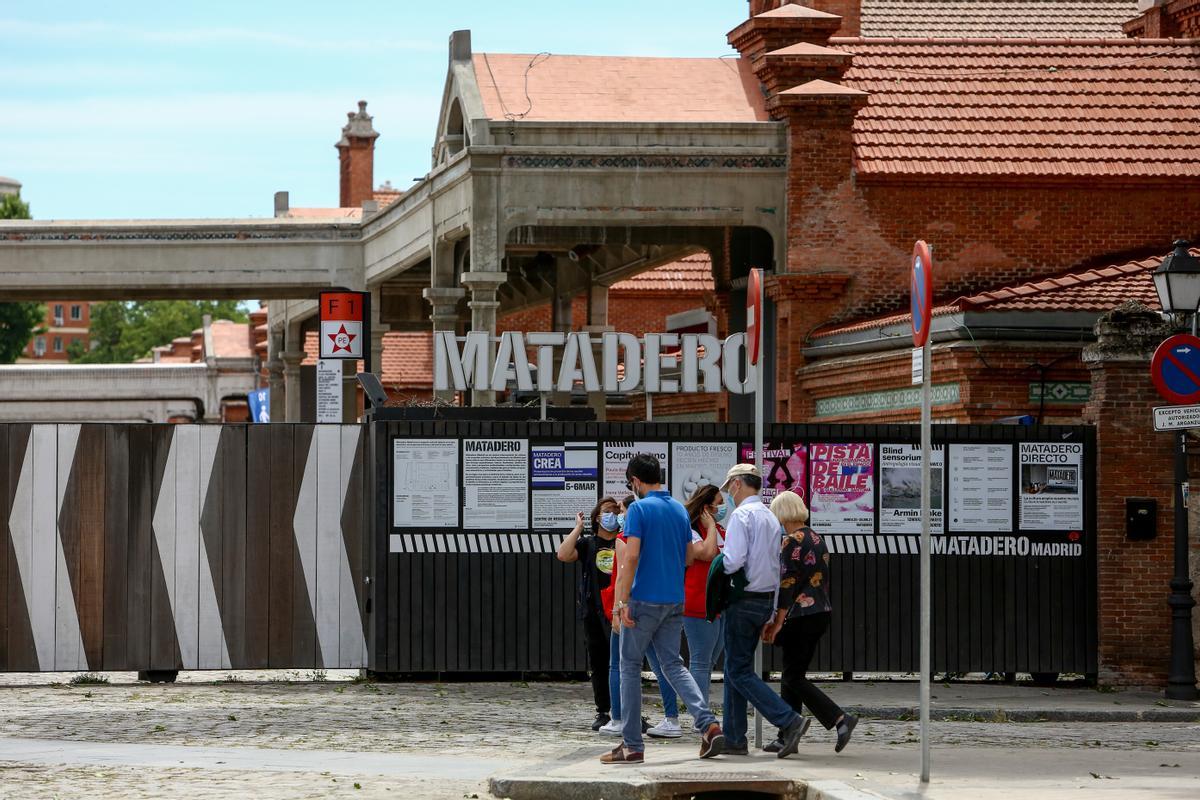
(705, 363)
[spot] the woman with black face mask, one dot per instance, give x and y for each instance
(597, 553)
(706, 509)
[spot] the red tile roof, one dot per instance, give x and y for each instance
(618, 88)
(689, 274)
(385, 197)
(232, 339)
(407, 359)
(1124, 108)
(1092, 19)
(1094, 290)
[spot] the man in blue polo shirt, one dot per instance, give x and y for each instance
(649, 605)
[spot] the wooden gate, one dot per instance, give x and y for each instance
(164, 547)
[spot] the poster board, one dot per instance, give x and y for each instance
(842, 487)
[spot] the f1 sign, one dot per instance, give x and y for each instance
(344, 317)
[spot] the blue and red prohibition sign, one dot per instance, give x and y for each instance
(1175, 369)
(921, 283)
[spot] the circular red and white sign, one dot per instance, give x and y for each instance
(754, 314)
(921, 285)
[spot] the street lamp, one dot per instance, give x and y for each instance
(1177, 281)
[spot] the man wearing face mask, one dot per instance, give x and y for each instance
(649, 602)
(752, 544)
(597, 553)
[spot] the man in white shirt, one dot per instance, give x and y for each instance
(752, 544)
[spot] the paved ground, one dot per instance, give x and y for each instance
(276, 739)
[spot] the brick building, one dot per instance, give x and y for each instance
(67, 322)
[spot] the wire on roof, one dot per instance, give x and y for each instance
(533, 62)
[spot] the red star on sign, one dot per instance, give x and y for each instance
(342, 339)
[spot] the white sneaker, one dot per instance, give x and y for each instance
(612, 728)
(667, 729)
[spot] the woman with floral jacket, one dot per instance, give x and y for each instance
(803, 616)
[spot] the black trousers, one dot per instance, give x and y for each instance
(799, 639)
(596, 635)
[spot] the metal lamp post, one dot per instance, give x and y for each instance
(1177, 281)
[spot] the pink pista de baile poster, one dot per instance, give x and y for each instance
(842, 487)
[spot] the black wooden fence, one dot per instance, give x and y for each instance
(458, 600)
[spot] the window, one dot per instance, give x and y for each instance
(58, 315)
(58, 345)
(77, 312)
(39, 346)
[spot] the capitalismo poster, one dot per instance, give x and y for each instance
(564, 480)
(784, 468)
(900, 489)
(617, 456)
(842, 481)
(495, 484)
(697, 464)
(1051, 486)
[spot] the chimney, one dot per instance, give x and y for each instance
(356, 154)
(281, 204)
(781, 27)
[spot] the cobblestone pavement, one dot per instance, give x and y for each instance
(518, 723)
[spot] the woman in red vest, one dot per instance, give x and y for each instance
(705, 639)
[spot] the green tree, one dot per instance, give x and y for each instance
(18, 321)
(122, 332)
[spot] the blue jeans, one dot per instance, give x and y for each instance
(670, 700)
(706, 641)
(659, 625)
(744, 622)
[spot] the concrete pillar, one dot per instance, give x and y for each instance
(378, 330)
(483, 305)
(275, 373)
(444, 303)
(291, 384)
(596, 325)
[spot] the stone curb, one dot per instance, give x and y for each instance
(535, 783)
(977, 714)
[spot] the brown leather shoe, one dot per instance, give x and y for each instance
(713, 742)
(620, 755)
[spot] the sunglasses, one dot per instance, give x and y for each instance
(629, 486)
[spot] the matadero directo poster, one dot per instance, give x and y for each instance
(1051, 486)
(842, 487)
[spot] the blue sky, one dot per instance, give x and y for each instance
(205, 109)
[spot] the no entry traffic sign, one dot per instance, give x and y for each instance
(753, 314)
(921, 282)
(1175, 369)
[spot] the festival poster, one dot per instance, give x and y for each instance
(981, 488)
(900, 489)
(697, 464)
(842, 488)
(564, 479)
(784, 468)
(617, 456)
(495, 484)
(1051, 486)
